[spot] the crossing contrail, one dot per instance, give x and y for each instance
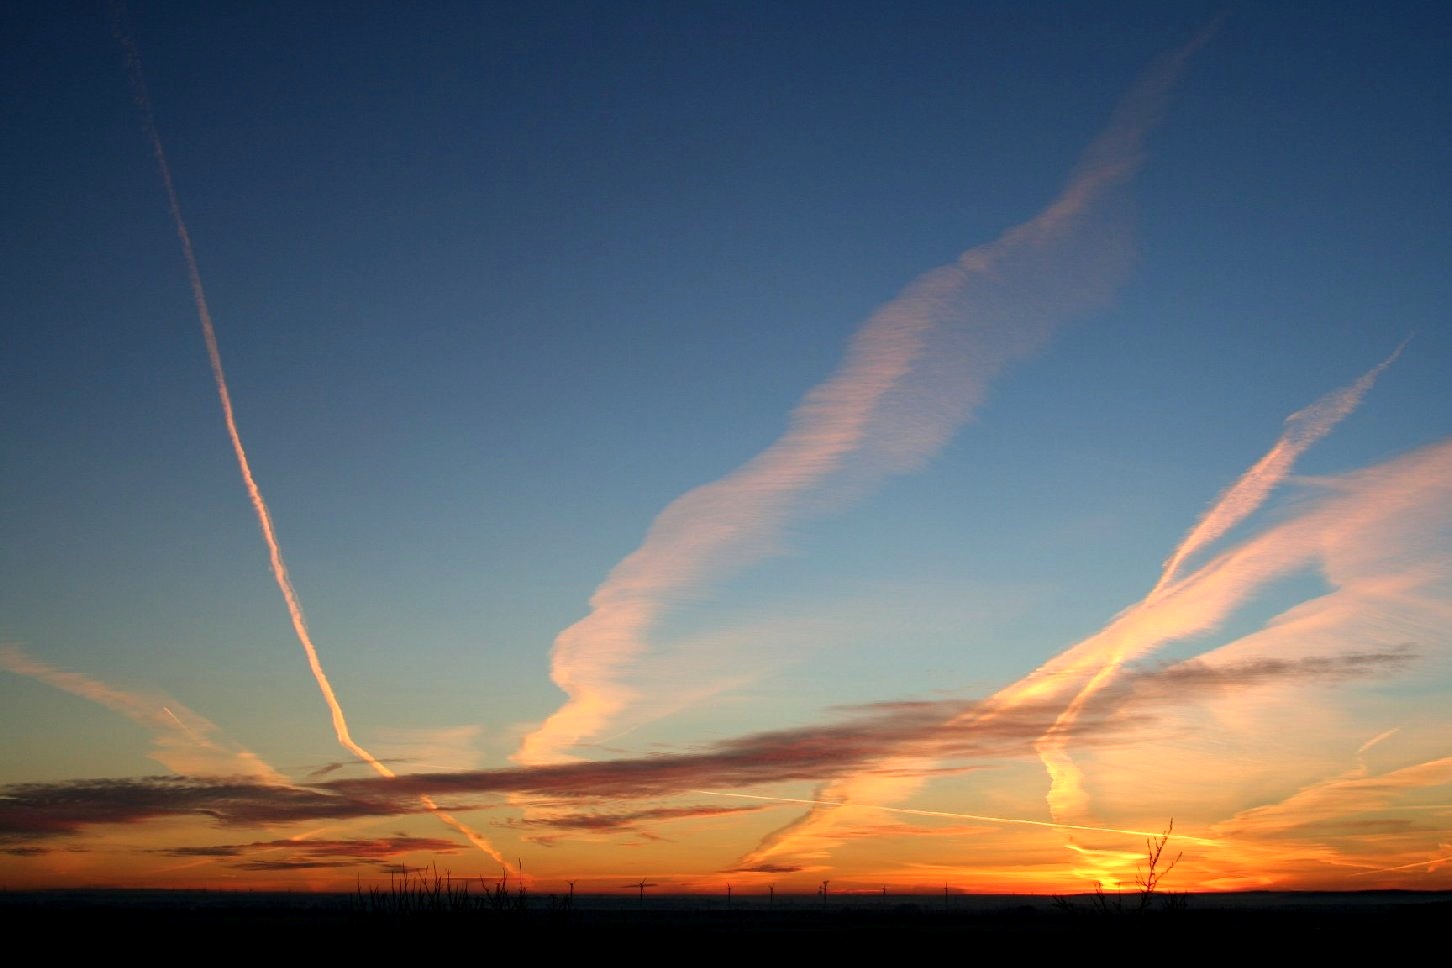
(1303, 428)
(1235, 504)
(1074, 676)
(254, 492)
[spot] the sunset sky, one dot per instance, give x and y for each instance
(902, 445)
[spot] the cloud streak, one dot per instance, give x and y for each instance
(1241, 499)
(224, 396)
(1331, 800)
(559, 825)
(183, 739)
(820, 752)
(1361, 531)
(308, 854)
(1303, 428)
(1361, 528)
(36, 810)
(913, 373)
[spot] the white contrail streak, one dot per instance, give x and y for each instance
(953, 815)
(1428, 863)
(183, 742)
(1241, 499)
(1190, 605)
(254, 493)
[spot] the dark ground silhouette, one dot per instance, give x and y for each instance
(216, 925)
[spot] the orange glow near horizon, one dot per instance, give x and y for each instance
(668, 543)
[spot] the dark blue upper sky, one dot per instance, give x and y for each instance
(494, 283)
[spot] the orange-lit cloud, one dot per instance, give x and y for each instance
(1066, 795)
(1371, 532)
(35, 812)
(1333, 800)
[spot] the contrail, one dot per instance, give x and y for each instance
(1189, 605)
(184, 727)
(1428, 863)
(1379, 737)
(1109, 162)
(1303, 428)
(1239, 501)
(956, 816)
(912, 374)
(200, 754)
(254, 493)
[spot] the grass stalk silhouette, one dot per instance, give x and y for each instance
(412, 894)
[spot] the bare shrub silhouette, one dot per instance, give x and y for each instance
(1147, 878)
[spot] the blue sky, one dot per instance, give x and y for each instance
(495, 284)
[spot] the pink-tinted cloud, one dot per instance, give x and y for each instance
(913, 373)
(1066, 795)
(1366, 531)
(1335, 800)
(29, 812)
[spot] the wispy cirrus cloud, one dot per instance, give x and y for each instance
(1246, 495)
(30, 812)
(1360, 823)
(1372, 533)
(1066, 796)
(913, 373)
(184, 740)
(1335, 800)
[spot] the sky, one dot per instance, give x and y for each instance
(927, 446)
